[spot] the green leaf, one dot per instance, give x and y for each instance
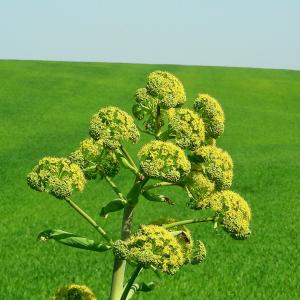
(125, 163)
(112, 206)
(146, 287)
(72, 240)
(157, 198)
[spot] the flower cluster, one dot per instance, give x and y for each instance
(152, 245)
(233, 212)
(187, 128)
(183, 237)
(214, 163)
(94, 159)
(199, 187)
(57, 176)
(166, 88)
(112, 126)
(163, 160)
(199, 253)
(211, 112)
(74, 292)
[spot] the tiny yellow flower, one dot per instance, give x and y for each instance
(164, 160)
(57, 176)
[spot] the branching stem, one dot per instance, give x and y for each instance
(115, 188)
(159, 184)
(185, 222)
(89, 219)
(127, 155)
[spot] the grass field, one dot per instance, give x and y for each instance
(45, 110)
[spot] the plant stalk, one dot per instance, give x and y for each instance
(89, 219)
(134, 275)
(185, 222)
(115, 188)
(119, 264)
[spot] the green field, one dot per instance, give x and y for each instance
(45, 111)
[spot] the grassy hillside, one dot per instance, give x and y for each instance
(45, 110)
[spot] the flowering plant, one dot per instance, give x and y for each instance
(183, 153)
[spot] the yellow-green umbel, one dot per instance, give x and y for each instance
(214, 163)
(74, 292)
(152, 245)
(113, 125)
(199, 187)
(145, 103)
(164, 160)
(183, 236)
(199, 253)
(94, 159)
(57, 176)
(166, 88)
(234, 213)
(186, 127)
(211, 112)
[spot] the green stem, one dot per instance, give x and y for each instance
(134, 275)
(119, 264)
(159, 184)
(185, 222)
(127, 155)
(157, 121)
(115, 188)
(89, 219)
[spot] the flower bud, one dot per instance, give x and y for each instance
(120, 249)
(164, 160)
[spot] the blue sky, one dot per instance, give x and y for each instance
(255, 33)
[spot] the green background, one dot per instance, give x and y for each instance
(45, 111)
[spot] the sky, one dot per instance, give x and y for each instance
(242, 33)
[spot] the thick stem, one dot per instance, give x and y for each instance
(119, 264)
(185, 222)
(89, 219)
(134, 275)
